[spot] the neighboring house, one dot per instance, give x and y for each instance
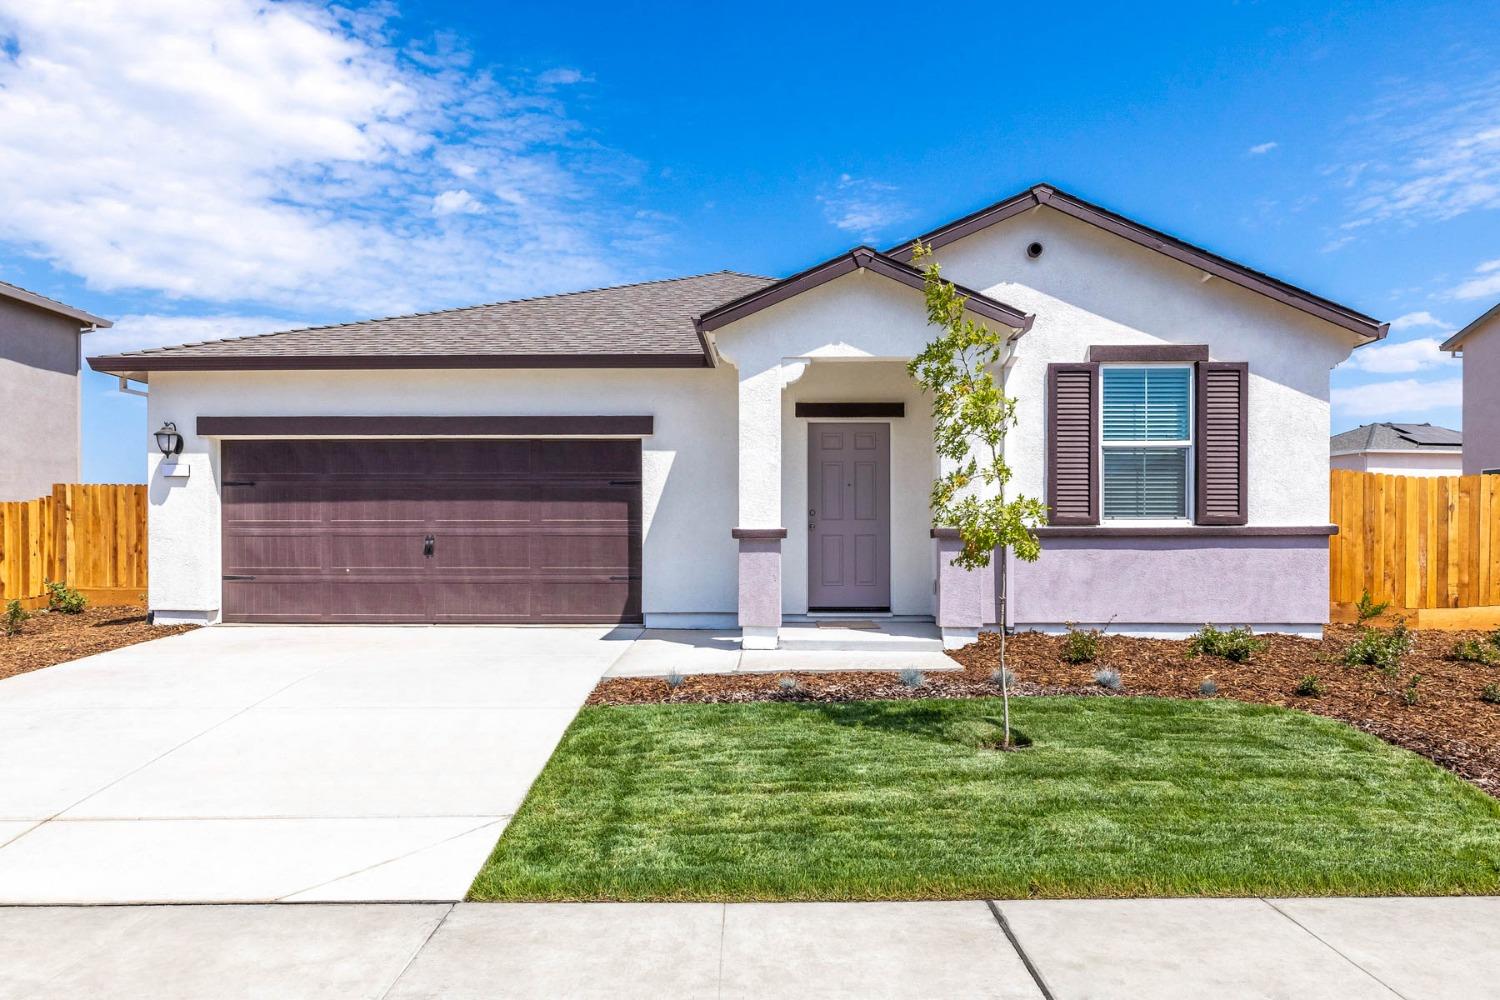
(39, 397)
(1479, 343)
(727, 450)
(1399, 450)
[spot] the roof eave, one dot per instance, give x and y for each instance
(132, 366)
(1456, 342)
(860, 258)
(53, 306)
(1044, 194)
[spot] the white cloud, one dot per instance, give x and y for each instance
(136, 332)
(862, 207)
(1484, 285)
(1262, 148)
(1398, 399)
(1442, 149)
(561, 76)
(456, 202)
(1400, 358)
(1414, 320)
(243, 151)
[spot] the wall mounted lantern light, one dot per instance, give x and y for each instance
(168, 440)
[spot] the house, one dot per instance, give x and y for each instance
(39, 398)
(1398, 450)
(1479, 344)
(730, 450)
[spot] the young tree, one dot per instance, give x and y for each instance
(970, 416)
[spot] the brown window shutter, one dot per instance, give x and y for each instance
(1073, 443)
(1221, 442)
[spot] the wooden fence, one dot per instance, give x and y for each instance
(1428, 545)
(92, 537)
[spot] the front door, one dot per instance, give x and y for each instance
(849, 517)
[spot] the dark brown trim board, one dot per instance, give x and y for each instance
(1152, 239)
(136, 363)
(1191, 531)
(843, 410)
(846, 263)
(1148, 352)
(947, 534)
(757, 533)
(562, 426)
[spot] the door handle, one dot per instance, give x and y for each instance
(427, 545)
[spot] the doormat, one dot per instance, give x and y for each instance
(847, 623)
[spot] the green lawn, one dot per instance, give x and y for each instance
(901, 800)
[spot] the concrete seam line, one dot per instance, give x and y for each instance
(723, 930)
(421, 947)
(1315, 936)
(1010, 935)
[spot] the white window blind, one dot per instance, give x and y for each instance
(1147, 433)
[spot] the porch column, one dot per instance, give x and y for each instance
(961, 593)
(760, 530)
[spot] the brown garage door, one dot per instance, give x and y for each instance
(432, 531)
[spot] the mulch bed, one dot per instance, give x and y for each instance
(50, 637)
(1449, 724)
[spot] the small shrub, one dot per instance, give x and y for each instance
(14, 616)
(1382, 650)
(913, 678)
(1208, 688)
(1409, 695)
(1003, 678)
(1368, 608)
(1081, 645)
(61, 597)
(1491, 694)
(1475, 651)
(1109, 679)
(787, 684)
(1237, 645)
(674, 680)
(1309, 687)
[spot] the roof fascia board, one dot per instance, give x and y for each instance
(129, 364)
(1456, 342)
(53, 306)
(1151, 239)
(866, 258)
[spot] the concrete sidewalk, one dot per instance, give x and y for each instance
(1325, 948)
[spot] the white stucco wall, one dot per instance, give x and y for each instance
(1482, 399)
(688, 463)
(1089, 287)
(1402, 463)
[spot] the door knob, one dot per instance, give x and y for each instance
(427, 544)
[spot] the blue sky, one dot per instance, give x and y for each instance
(195, 169)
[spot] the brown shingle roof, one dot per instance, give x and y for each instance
(643, 325)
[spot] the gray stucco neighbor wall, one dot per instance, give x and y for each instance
(39, 400)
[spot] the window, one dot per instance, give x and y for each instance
(1147, 437)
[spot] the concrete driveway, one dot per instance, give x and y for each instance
(307, 763)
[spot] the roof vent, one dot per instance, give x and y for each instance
(1034, 250)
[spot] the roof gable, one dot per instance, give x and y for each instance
(1152, 239)
(1456, 342)
(18, 294)
(860, 258)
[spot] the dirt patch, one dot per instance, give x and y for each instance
(1448, 722)
(49, 637)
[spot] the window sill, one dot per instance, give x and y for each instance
(1188, 531)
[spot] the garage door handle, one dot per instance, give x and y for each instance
(427, 544)
(239, 578)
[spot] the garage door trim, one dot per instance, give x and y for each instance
(599, 426)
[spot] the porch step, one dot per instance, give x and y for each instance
(889, 637)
